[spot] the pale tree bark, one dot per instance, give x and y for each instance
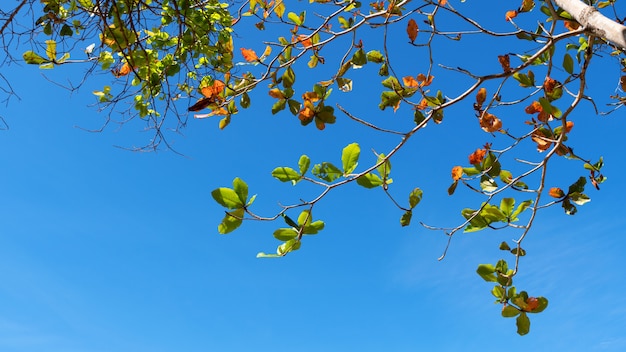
(596, 23)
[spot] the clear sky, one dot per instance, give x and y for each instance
(103, 249)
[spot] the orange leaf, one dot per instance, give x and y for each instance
(549, 84)
(124, 70)
(533, 108)
(422, 105)
(568, 126)
(410, 82)
(556, 192)
(490, 123)
(249, 55)
(213, 90)
(477, 156)
(457, 173)
(276, 94)
(411, 30)
(531, 304)
(424, 81)
(310, 96)
(443, 2)
(622, 82)
(571, 25)
(481, 96)
(510, 15)
(305, 40)
(505, 62)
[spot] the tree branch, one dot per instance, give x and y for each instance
(594, 22)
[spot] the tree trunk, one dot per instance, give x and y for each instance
(596, 23)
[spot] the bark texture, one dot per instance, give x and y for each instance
(592, 20)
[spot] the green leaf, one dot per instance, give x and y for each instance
(452, 187)
(227, 198)
(290, 221)
(286, 174)
(506, 206)
(385, 168)
(523, 324)
(359, 58)
(231, 221)
(510, 312)
(521, 251)
(32, 58)
(568, 64)
(293, 17)
(284, 234)
(279, 106)
(350, 157)
(314, 228)
(288, 246)
(392, 83)
(375, 56)
(305, 218)
(303, 164)
(486, 271)
(369, 180)
(294, 106)
(488, 184)
(506, 176)
(326, 171)
(477, 223)
(520, 208)
(405, 220)
(504, 246)
(579, 198)
(289, 77)
(241, 188)
(492, 213)
(578, 186)
(345, 84)
(245, 101)
(498, 292)
(66, 31)
(415, 197)
(471, 171)
(265, 255)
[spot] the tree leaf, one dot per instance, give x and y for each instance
(231, 221)
(326, 171)
(415, 197)
(405, 220)
(227, 198)
(284, 234)
(304, 164)
(32, 58)
(486, 271)
(523, 324)
(369, 180)
(51, 49)
(350, 157)
(412, 30)
(286, 174)
(510, 311)
(241, 188)
(568, 64)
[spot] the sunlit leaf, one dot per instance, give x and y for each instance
(369, 180)
(232, 220)
(350, 157)
(227, 198)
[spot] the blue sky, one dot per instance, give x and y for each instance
(103, 249)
